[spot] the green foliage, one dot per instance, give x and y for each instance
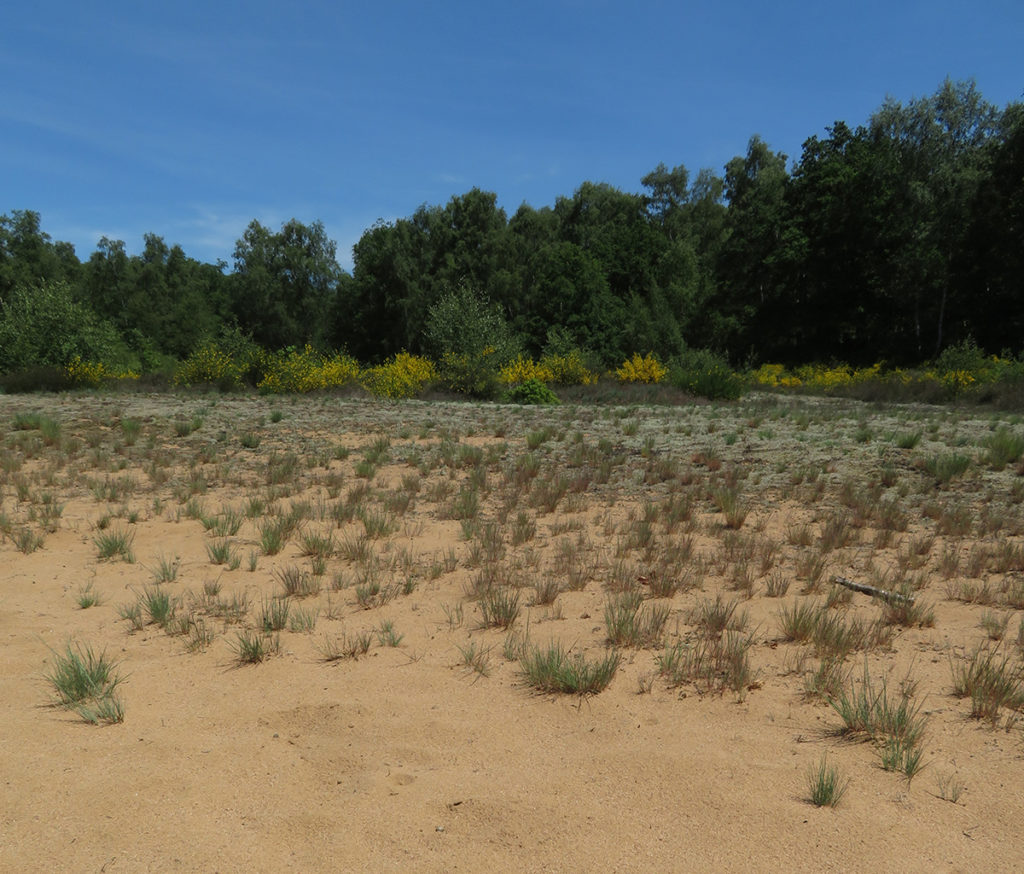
(471, 339)
(43, 325)
(227, 362)
(705, 374)
(552, 669)
(531, 391)
(825, 784)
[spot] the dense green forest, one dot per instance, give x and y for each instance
(887, 241)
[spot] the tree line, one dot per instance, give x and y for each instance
(888, 241)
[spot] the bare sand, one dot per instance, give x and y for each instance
(405, 757)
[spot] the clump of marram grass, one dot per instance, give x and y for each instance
(296, 582)
(1003, 447)
(86, 683)
(476, 657)
(344, 646)
(628, 626)
(991, 680)
(712, 663)
(893, 722)
(88, 596)
(552, 669)
(825, 784)
(499, 607)
(251, 647)
(115, 543)
(274, 614)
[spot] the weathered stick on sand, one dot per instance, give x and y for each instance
(875, 593)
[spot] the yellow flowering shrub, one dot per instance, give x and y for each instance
(94, 373)
(403, 376)
(304, 370)
(637, 369)
(568, 369)
(210, 363)
(520, 369)
(774, 376)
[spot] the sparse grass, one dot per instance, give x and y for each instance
(733, 507)
(1003, 448)
(88, 596)
(296, 582)
(158, 605)
(499, 607)
(110, 544)
(27, 541)
(273, 535)
(714, 618)
(552, 669)
(711, 663)
(908, 612)
(894, 722)
(220, 552)
(302, 620)
(946, 467)
(251, 647)
(629, 626)
(166, 569)
(80, 675)
(991, 679)
(950, 787)
(387, 635)
(476, 657)
(825, 785)
(274, 614)
(344, 646)
(908, 439)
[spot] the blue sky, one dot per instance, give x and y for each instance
(190, 119)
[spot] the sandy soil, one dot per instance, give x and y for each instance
(405, 757)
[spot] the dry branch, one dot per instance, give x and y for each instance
(873, 592)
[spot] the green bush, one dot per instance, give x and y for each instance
(703, 373)
(471, 340)
(43, 326)
(531, 391)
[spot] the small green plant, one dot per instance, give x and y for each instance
(453, 614)
(252, 648)
(387, 635)
(499, 607)
(908, 439)
(531, 391)
(115, 543)
(825, 784)
(950, 787)
(274, 614)
(344, 646)
(158, 605)
(303, 620)
(476, 657)
(220, 552)
(86, 683)
(1003, 448)
(552, 669)
(27, 540)
(893, 722)
(991, 680)
(166, 569)
(79, 674)
(88, 596)
(731, 505)
(296, 582)
(947, 467)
